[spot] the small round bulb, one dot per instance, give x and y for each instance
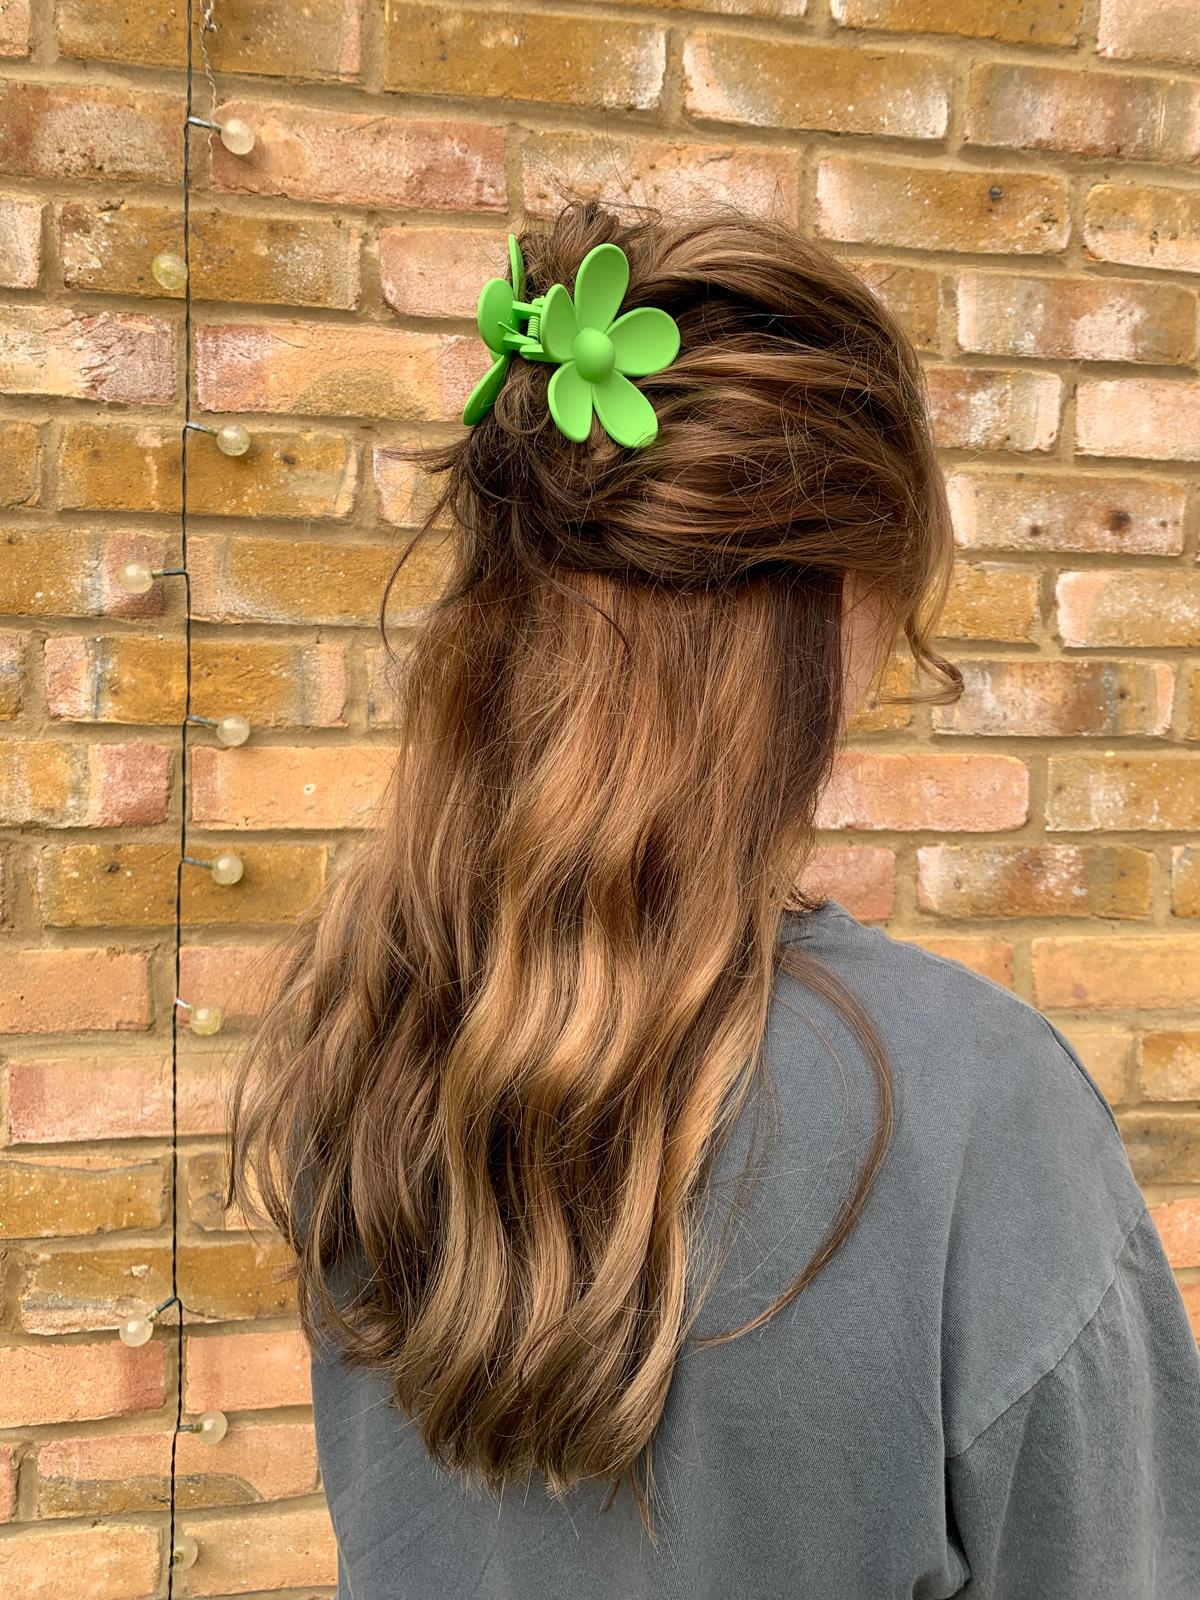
(135, 1331)
(237, 136)
(233, 439)
(227, 869)
(185, 1552)
(169, 272)
(135, 577)
(212, 1427)
(206, 1020)
(232, 731)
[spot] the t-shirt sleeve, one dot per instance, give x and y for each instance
(1087, 1487)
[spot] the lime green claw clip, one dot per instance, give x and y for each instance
(596, 351)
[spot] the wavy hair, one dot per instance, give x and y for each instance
(504, 1051)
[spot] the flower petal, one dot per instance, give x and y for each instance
(483, 396)
(558, 325)
(625, 413)
(646, 340)
(570, 398)
(600, 286)
(493, 310)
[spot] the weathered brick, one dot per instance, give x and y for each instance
(249, 1370)
(20, 463)
(1156, 418)
(286, 786)
(72, 1099)
(437, 272)
(861, 876)
(102, 355)
(778, 83)
(1193, 697)
(1102, 972)
(12, 674)
(467, 51)
(403, 495)
(253, 36)
(54, 571)
(237, 977)
(1103, 606)
(112, 466)
(246, 1552)
(1047, 880)
(1077, 319)
(1115, 115)
(14, 28)
(63, 991)
(104, 1562)
(384, 679)
(106, 1474)
(1162, 1146)
(1169, 1063)
(78, 1289)
(1060, 699)
(133, 885)
(1178, 1224)
(314, 369)
(1011, 21)
(677, 174)
(20, 241)
(80, 130)
(1118, 791)
(964, 793)
(988, 600)
(8, 1482)
(75, 785)
(1143, 227)
(139, 678)
(880, 710)
(979, 408)
(1185, 882)
(205, 1188)
(108, 245)
(378, 161)
(41, 1197)
(1149, 30)
(1058, 511)
(1105, 1052)
(910, 293)
(77, 1382)
(982, 953)
(864, 201)
(310, 580)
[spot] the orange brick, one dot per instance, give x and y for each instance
(237, 977)
(880, 710)
(982, 953)
(1114, 791)
(20, 463)
(1156, 418)
(140, 678)
(77, 1382)
(437, 272)
(1163, 1147)
(104, 1562)
(1178, 1224)
(102, 355)
(1050, 880)
(910, 293)
(205, 1185)
(14, 29)
(249, 1370)
(1115, 115)
(291, 1550)
(402, 493)
(987, 600)
(253, 36)
(1185, 882)
(240, 256)
(79, 130)
(1104, 607)
(1059, 511)
(779, 83)
(465, 51)
(370, 160)
(677, 174)
(1077, 319)
(20, 241)
(1060, 699)
(1169, 1063)
(1012, 21)
(976, 408)
(8, 1482)
(1150, 30)
(384, 678)
(864, 201)
(103, 1474)
(965, 793)
(135, 467)
(75, 785)
(1103, 972)
(1193, 729)
(1143, 227)
(860, 877)
(62, 991)
(133, 885)
(66, 1101)
(12, 674)
(48, 572)
(1104, 1051)
(284, 786)
(41, 1197)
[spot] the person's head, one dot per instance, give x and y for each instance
(505, 1053)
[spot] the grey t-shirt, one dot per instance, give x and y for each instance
(992, 1390)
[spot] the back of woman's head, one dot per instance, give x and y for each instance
(504, 1054)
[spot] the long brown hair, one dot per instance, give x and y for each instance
(504, 1053)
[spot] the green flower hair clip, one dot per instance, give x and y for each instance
(596, 352)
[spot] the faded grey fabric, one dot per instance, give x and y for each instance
(992, 1390)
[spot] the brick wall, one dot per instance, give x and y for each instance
(1017, 177)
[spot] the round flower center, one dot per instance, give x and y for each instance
(593, 353)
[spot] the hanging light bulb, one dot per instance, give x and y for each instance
(231, 731)
(233, 439)
(212, 1426)
(136, 1330)
(169, 271)
(205, 1020)
(237, 136)
(185, 1553)
(135, 577)
(226, 868)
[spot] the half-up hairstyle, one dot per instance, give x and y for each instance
(504, 1052)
